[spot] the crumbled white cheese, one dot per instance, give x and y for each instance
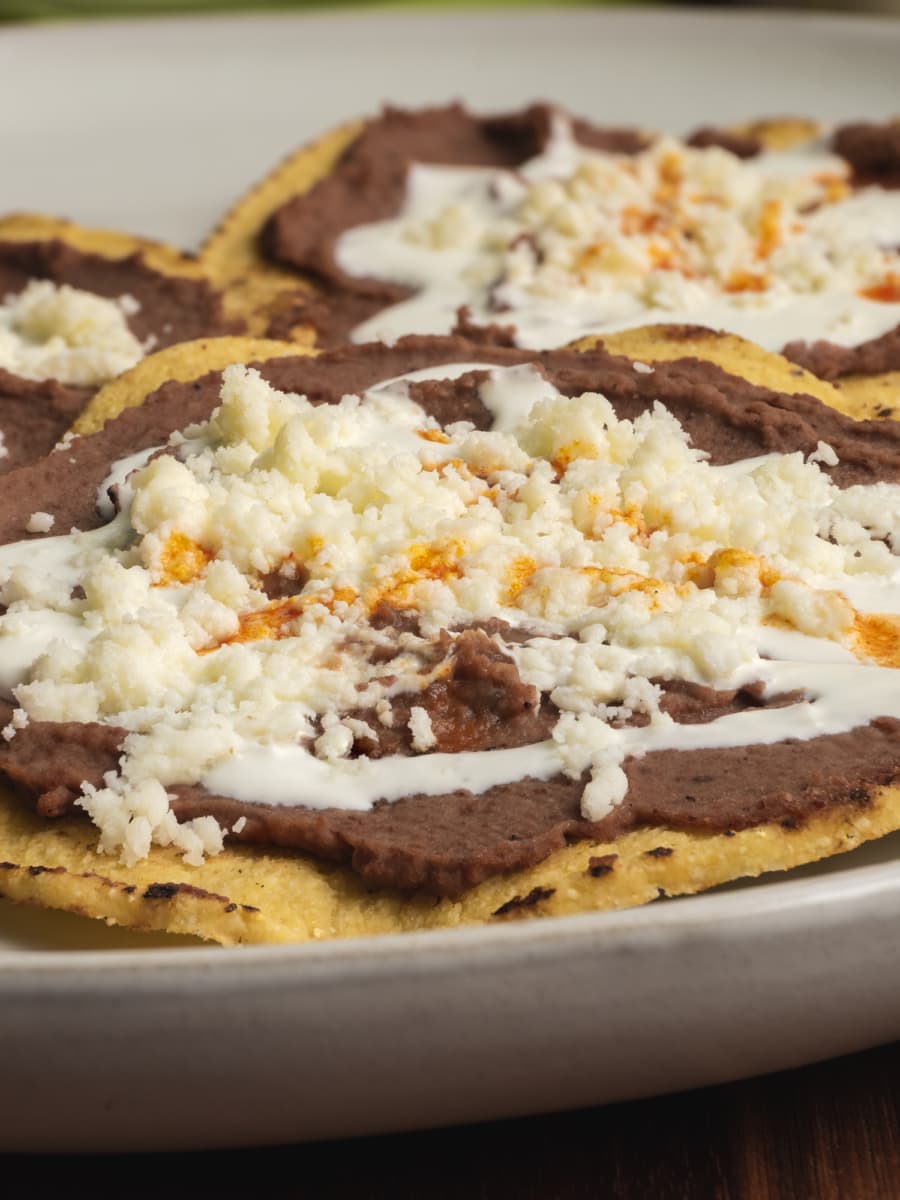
(587, 743)
(817, 613)
(40, 522)
(824, 453)
(361, 730)
(335, 742)
(18, 721)
(132, 816)
(50, 331)
(420, 727)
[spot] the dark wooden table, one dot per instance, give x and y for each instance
(826, 1132)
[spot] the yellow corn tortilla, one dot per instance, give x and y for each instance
(665, 343)
(779, 133)
(259, 895)
(248, 895)
(857, 396)
(150, 372)
(109, 243)
(870, 395)
(253, 287)
(256, 289)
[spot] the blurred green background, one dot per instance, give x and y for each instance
(40, 10)
(33, 10)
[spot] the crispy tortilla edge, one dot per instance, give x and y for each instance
(252, 896)
(254, 288)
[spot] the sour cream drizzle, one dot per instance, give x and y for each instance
(841, 697)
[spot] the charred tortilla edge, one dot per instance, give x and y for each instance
(251, 896)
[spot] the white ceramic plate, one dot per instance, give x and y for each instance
(111, 1042)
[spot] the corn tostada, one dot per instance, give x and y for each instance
(411, 636)
(536, 228)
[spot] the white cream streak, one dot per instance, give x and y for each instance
(841, 697)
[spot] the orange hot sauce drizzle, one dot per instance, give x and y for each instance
(877, 636)
(888, 291)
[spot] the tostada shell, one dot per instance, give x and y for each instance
(264, 895)
(282, 301)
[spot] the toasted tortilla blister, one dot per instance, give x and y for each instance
(250, 894)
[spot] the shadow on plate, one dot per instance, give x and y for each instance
(41, 929)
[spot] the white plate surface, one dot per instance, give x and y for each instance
(111, 1042)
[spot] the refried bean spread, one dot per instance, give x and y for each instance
(436, 609)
